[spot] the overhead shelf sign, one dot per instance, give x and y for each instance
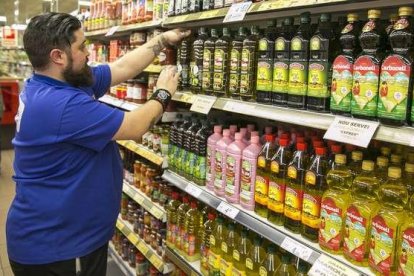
(237, 12)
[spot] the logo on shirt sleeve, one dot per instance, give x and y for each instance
(19, 114)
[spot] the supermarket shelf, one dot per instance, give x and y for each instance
(127, 229)
(153, 69)
(142, 199)
(398, 135)
(125, 29)
(124, 266)
(294, 243)
(190, 269)
(119, 103)
(142, 151)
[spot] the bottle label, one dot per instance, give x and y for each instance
(330, 229)
(318, 80)
(194, 74)
(401, 24)
(212, 241)
(171, 232)
(280, 77)
(280, 44)
(365, 87)
(218, 182)
(208, 164)
(393, 91)
(178, 237)
(245, 60)
(249, 263)
(190, 244)
(206, 83)
(311, 210)
(355, 234)
(381, 249)
(298, 78)
(245, 78)
(341, 85)
(369, 26)
(236, 255)
(200, 168)
(232, 166)
(224, 247)
(263, 45)
(261, 190)
(225, 267)
(248, 175)
(190, 163)
(214, 260)
(348, 28)
(220, 60)
(276, 196)
(315, 43)
(293, 203)
(264, 75)
(234, 71)
(310, 178)
(296, 44)
(292, 172)
(183, 238)
(406, 254)
(262, 271)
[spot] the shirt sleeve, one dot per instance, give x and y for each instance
(88, 123)
(101, 80)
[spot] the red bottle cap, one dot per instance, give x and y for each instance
(284, 142)
(320, 151)
(336, 149)
(317, 144)
(301, 146)
(269, 138)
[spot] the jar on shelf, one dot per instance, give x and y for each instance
(118, 12)
(125, 6)
(163, 197)
(153, 271)
(150, 137)
(147, 218)
(139, 92)
(150, 175)
(132, 255)
(159, 243)
(129, 92)
(141, 265)
(156, 140)
(141, 10)
(144, 169)
(154, 225)
(137, 173)
(136, 222)
(141, 227)
(131, 211)
(125, 249)
(153, 240)
(149, 10)
(124, 206)
(147, 234)
(155, 194)
(165, 141)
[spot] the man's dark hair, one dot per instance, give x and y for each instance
(47, 32)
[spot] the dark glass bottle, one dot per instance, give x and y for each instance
(221, 64)
(248, 66)
(196, 62)
(208, 63)
(235, 63)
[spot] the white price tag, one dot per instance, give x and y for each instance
(351, 131)
(237, 107)
(412, 142)
(203, 104)
(129, 106)
(296, 248)
(228, 210)
(237, 12)
(327, 266)
(112, 30)
(193, 190)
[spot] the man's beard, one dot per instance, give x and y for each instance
(83, 78)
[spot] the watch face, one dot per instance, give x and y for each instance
(162, 94)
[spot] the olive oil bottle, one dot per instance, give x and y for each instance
(236, 47)
(271, 263)
(409, 178)
(356, 162)
(381, 171)
(240, 252)
(208, 63)
(221, 64)
(249, 66)
(255, 257)
(196, 61)
(205, 246)
(227, 246)
(286, 268)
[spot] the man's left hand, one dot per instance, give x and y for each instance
(173, 37)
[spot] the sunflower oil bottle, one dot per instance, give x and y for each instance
(334, 202)
(227, 246)
(287, 267)
(381, 171)
(271, 263)
(396, 160)
(405, 252)
(207, 230)
(386, 225)
(181, 211)
(409, 178)
(363, 204)
(255, 257)
(303, 268)
(192, 225)
(172, 222)
(216, 238)
(356, 162)
(240, 252)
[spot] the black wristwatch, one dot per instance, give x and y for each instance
(162, 96)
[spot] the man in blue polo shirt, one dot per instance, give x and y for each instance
(68, 171)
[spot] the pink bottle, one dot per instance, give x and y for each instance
(252, 134)
(243, 132)
(248, 173)
(211, 152)
(220, 162)
(250, 129)
(233, 130)
(233, 168)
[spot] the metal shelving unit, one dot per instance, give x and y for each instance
(123, 29)
(124, 266)
(191, 269)
(142, 151)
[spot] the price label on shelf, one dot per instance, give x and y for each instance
(228, 210)
(138, 198)
(193, 190)
(239, 107)
(296, 248)
(237, 12)
(120, 225)
(203, 104)
(351, 131)
(142, 247)
(133, 238)
(412, 142)
(155, 260)
(327, 266)
(209, 14)
(270, 5)
(156, 212)
(112, 30)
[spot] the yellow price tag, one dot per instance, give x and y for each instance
(155, 260)
(142, 247)
(133, 238)
(271, 5)
(187, 98)
(209, 14)
(156, 212)
(119, 225)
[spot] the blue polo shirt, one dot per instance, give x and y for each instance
(68, 171)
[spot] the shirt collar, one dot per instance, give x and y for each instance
(48, 80)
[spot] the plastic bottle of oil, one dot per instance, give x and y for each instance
(295, 182)
(409, 178)
(181, 211)
(405, 252)
(172, 223)
(262, 177)
(205, 242)
(363, 204)
(235, 63)
(286, 268)
(335, 200)
(191, 237)
(216, 238)
(208, 63)
(277, 182)
(227, 246)
(271, 263)
(356, 162)
(396, 160)
(240, 252)
(381, 171)
(386, 152)
(196, 61)
(248, 66)
(255, 257)
(386, 225)
(221, 64)
(303, 268)
(315, 186)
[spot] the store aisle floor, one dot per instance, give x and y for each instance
(7, 191)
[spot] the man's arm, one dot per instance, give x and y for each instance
(136, 61)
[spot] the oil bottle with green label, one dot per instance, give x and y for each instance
(208, 63)
(265, 64)
(249, 65)
(240, 252)
(196, 61)
(236, 47)
(323, 49)
(271, 263)
(221, 64)
(295, 181)
(255, 257)
(363, 204)
(405, 252)
(366, 70)
(280, 84)
(334, 202)
(315, 186)
(386, 225)
(395, 95)
(216, 238)
(298, 64)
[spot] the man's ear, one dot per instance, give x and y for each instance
(58, 57)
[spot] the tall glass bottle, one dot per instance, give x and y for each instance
(221, 64)
(236, 48)
(208, 63)
(255, 257)
(240, 252)
(248, 66)
(207, 230)
(216, 239)
(192, 225)
(227, 246)
(196, 61)
(181, 211)
(271, 263)
(172, 222)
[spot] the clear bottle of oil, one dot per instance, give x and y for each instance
(356, 162)
(227, 247)
(216, 238)
(205, 242)
(255, 257)
(382, 169)
(405, 252)
(192, 225)
(271, 263)
(409, 178)
(286, 268)
(240, 253)
(181, 211)
(396, 160)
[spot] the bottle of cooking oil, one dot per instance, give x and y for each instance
(191, 237)
(221, 64)
(382, 169)
(315, 186)
(295, 182)
(363, 205)
(172, 223)
(196, 61)
(205, 242)
(248, 66)
(409, 178)
(405, 252)
(396, 160)
(262, 176)
(227, 246)
(216, 238)
(277, 182)
(236, 48)
(240, 252)
(286, 268)
(333, 206)
(271, 263)
(182, 210)
(386, 224)
(303, 268)
(356, 162)
(208, 63)
(386, 152)
(255, 257)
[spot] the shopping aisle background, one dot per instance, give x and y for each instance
(6, 196)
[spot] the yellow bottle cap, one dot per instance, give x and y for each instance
(352, 17)
(405, 11)
(409, 167)
(357, 155)
(340, 159)
(374, 14)
(410, 157)
(395, 158)
(394, 172)
(393, 17)
(385, 151)
(368, 165)
(382, 161)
